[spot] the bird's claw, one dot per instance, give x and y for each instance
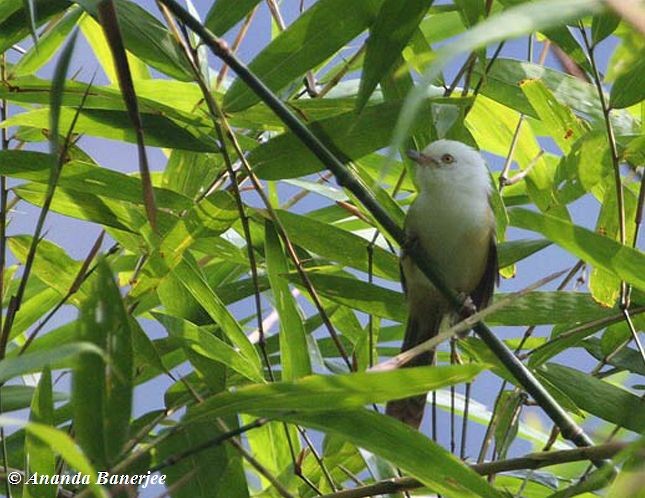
(468, 307)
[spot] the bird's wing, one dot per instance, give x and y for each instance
(483, 293)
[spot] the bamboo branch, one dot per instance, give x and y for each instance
(530, 461)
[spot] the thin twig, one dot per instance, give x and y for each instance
(530, 461)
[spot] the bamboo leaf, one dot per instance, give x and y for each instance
(395, 24)
(351, 136)
(293, 344)
(299, 48)
(511, 23)
(628, 88)
(224, 14)
(598, 397)
(40, 459)
(337, 392)
(623, 261)
(42, 52)
(147, 38)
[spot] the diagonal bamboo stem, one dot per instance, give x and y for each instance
(344, 177)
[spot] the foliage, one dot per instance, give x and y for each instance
(247, 293)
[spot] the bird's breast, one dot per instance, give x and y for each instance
(454, 228)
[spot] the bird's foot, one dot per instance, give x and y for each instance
(468, 307)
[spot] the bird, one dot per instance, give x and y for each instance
(452, 220)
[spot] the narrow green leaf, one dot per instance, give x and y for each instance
(102, 390)
(562, 124)
(598, 397)
(603, 25)
(147, 38)
(52, 265)
(56, 97)
(61, 443)
(511, 23)
(94, 35)
(160, 131)
(512, 251)
(224, 14)
(293, 346)
(401, 445)
(16, 397)
(625, 358)
(395, 24)
(623, 261)
(315, 393)
(352, 136)
(40, 459)
(628, 89)
(300, 48)
(194, 282)
(215, 471)
(58, 357)
(336, 244)
(15, 23)
(205, 343)
(84, 207)
(85, 177)
(40, 54)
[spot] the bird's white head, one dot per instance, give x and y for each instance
(450, 162)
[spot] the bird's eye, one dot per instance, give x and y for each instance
(447, 158)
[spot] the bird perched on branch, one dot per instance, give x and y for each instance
(453, 222)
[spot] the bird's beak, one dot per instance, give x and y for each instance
(420, 158)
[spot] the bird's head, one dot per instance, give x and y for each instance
(449, 161)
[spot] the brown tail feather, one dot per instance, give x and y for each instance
(410, 410)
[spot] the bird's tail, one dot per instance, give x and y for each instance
(410, 410)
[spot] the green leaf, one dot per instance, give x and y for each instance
(316, 35)
(16, 397)
(160, 131)
(94, 35)
(147, 38)
(57, 357)
(224, 14)
(293, 345)
(603, 25)
(15, 23)
(102, 390)
(55, 101)
(511, 23)
(628, 89)
(193, 280)
(315, 393)
(391, 31)
(623, 261)
(85, 177)
(214, 471)
(562, 124)
(62, 444)
(40, 459)
(207, 344)
(401, 445)
(598, 397)
(511, 252)
(352, 136)
(336, 244)
(40, 54)
(52, 265)
(542, 308)
(625, 358)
